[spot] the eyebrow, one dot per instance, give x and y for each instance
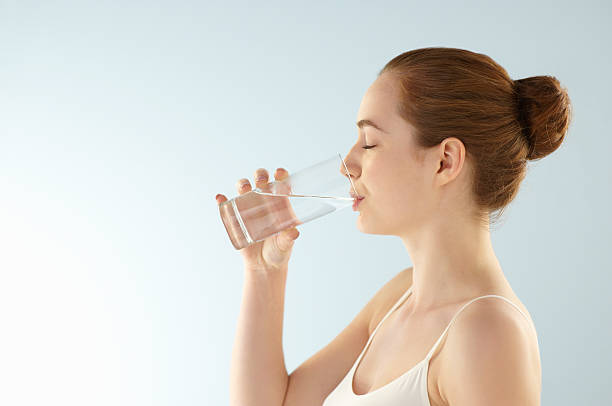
(366, 122)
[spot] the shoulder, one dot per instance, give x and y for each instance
(489, 357)
(388, 295)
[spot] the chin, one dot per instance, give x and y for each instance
(395, 225)
(369, 226)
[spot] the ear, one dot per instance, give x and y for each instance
(450, 160)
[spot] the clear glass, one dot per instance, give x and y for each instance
(305, 195)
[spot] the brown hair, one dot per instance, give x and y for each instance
(449, 92)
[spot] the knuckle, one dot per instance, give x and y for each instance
(261, 174)
(242, 182)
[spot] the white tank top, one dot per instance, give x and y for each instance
(409, 389)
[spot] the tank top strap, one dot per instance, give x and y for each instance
(433, 349)
(395, 306)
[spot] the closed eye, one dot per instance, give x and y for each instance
(368, 146)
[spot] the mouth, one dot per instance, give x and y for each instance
(356, 202)
(355, 196)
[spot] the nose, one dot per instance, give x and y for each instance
(351, 170)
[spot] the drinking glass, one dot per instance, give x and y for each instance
(305, 195)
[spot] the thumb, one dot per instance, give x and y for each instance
(293, 233)
(286, 238)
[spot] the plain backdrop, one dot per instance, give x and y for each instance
(121, 120)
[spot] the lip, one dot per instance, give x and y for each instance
(356, 202)
(355, 196)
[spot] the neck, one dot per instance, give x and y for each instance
(451, 262)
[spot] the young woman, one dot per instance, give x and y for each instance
(444, 137)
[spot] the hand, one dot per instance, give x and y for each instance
(274, 252)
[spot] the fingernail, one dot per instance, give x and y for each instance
(217, 197)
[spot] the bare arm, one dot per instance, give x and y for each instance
(258, 375)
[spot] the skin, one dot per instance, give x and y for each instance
(489, 356)
(423, 196)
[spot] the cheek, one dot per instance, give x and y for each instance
(397, 186)
(388, 183)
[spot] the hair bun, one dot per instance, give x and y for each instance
(544, 113)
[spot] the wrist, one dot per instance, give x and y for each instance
(265, 272)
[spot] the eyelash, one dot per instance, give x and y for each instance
(368, 146)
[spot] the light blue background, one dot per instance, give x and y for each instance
(120, 121)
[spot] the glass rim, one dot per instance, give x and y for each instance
(348, 175)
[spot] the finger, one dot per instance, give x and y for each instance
(220, 198)
(280, 174)
(286, 239)
(292, 233)
(261, 178)
(243, 185)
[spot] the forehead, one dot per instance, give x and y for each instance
(379, 101)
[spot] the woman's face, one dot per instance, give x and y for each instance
(395, 176)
